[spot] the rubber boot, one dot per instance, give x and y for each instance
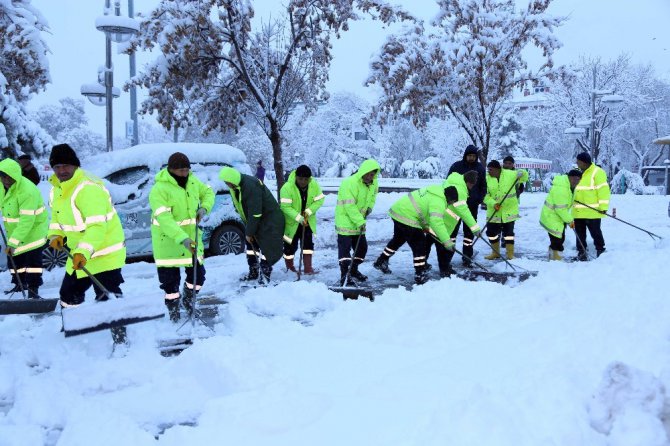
(344, 270)
(252, 274)
(495, 251)
(33, 292)
(509, 247)
(187, 297)
(555, 255)
(307, 261)
(356, 274)
(173, 309)
(289, 264)
(420, 275)
(382, 264)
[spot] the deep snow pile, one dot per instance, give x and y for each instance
(578, 355)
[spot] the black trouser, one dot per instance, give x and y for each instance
(593, 225)
(170, 279)
(414, 237)
(493, 231)
(73, 289)
(254, 250)
(28, 268)
(444, 256)
(347, 243)
(556, 243)
(308, 242)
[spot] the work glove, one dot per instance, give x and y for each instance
(300, 219)
(572, 225)
(496, 207)
(519, 174)
(305, 220)
(200, 214)
(362, 229)
(603, 212)
(449, 246)
(250, 239)
(78, 261)
(477, 231)
(368, 211)
(56, 242)
(9, 251)
(189, 244)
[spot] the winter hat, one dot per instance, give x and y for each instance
(584, 157)
(178, 161)
(63, 154)
(303, 171)
(230, 175)
(470, 150)
(495, 164)
(450, 193)
(25, 157)
(509, 158)
(575, 173)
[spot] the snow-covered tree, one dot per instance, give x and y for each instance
(24, 71)
(509, 137)
(466, 65)
(402, 141)
(215, 70)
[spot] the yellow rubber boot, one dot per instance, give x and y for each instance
(555, 255)
(495, 253)
(510, 251)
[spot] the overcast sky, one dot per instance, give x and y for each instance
(603, 28)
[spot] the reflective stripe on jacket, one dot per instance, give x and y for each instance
(291, 205)
(173, 218)
(354, 198)
(592, 190)
(426, 209)
(556, 211)
(461, 206)
(499, 189)
(23, 211)
(82, 211)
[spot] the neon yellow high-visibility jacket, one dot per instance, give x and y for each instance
(592, 190)
(426, 209)
(499, 189)
(461, 206)
(355, 200)
(556, 212)
(23, 211)
(291, 205)
(82, 211)
(173, 218)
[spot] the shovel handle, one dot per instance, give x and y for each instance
(90, 276)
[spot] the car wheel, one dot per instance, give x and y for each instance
(227, 239)
(53, 259)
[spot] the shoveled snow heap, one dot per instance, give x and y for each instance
(578, 355)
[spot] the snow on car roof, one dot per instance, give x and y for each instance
(155, 156)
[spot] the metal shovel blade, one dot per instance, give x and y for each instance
(353, 292)
(111, 313)
(27, 306)
(490, 276)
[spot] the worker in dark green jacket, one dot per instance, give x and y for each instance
(263, 219)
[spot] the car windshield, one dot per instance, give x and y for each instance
(130, 175)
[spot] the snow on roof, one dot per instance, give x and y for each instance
(155, 156)
(531, 163)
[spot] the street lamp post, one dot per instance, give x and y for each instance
(117, 29)
(666, 163)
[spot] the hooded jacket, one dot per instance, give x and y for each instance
(477, 193)
(556, 212)
(461, 206)
(291, 205)
(355, 199)
(23, 211)
(426, 209)
(594, 191)
(173, 218)
(82, 211)
(259, 211)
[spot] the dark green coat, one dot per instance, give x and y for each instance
(260, 213)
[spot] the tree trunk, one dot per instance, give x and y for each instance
(275, 140)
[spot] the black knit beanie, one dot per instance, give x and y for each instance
(63, 154)
(178, 161)
(494, 164)
(303, 171)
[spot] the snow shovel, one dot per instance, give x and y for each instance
(649, 233)
(111, 313)
(517, 271)
(25, 305)
(352, 291)
(302, 241)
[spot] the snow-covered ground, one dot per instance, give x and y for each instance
(579, 355)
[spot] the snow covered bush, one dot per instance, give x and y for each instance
(626, 181)
(429, 168)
